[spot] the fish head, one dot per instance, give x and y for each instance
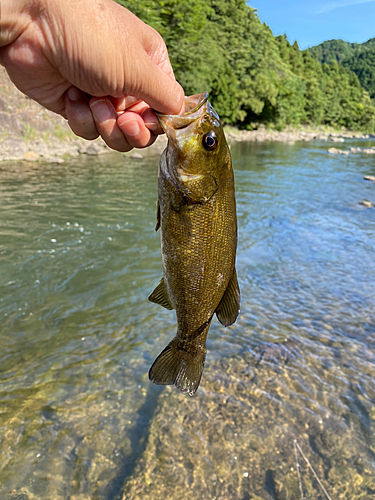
(197, 154)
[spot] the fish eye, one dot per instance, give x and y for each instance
(209, 141)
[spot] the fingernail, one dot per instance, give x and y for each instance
(132, 127)
(74, 94)
(151, 126)
(100, 110)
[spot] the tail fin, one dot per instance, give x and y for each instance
(179, 367)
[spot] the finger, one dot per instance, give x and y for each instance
(122, 103)
(79, 116)
(139, 108)
(156, 48)
(147, 114)
(134, 129)
(160, 90)
(151, 122)
(105, 117)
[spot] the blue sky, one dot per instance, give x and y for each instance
(310, 23)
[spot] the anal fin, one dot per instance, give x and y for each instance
(160, 296)
(229, 307)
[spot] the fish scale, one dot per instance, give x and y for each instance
(197, 218)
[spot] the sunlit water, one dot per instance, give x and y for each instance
(78, 258)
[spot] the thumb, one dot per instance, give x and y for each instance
(160, 90)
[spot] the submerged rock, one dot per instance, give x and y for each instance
(335, 151)
(235, 438)
(367, 151)
(337, 139)
(366, 203)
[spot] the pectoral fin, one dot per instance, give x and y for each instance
(229, 307)
(160, 296)
(199, 188)
(157, 227)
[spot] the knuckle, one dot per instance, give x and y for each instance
(117, 144)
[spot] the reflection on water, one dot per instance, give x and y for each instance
(78, 259)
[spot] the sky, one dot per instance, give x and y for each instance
(312, 22)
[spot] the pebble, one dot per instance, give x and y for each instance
(136, 156)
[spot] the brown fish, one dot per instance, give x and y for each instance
(197, 217)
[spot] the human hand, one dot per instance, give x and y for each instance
(93, 62)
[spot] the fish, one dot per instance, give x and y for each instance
(196, 213)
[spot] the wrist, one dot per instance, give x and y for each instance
(15, 16)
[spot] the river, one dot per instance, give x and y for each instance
(286, 406)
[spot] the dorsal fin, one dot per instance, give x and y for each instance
(160, 296)
(229, 307)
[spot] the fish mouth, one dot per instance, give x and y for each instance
(195, 102)
(193, 106)
(181, 131)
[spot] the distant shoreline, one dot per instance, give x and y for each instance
(290, 135)
(30, 133)
(54, 149)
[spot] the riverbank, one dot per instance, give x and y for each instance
(291, 135)
(29, 132)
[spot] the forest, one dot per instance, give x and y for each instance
(254, 78)
(357, 57)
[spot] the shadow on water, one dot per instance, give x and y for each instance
(270, 485)
(139, 435)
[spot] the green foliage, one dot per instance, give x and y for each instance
(334, 50)
(359, 58)
(29, 133)
(253, 77)
(363, 66)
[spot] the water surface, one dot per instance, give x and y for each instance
(78, 259)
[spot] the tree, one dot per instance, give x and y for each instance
(220, 46)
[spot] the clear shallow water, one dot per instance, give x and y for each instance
(78, 258)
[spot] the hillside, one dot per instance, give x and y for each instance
(30, 132)
(359, 58)
(253, 78)
(339, 50)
